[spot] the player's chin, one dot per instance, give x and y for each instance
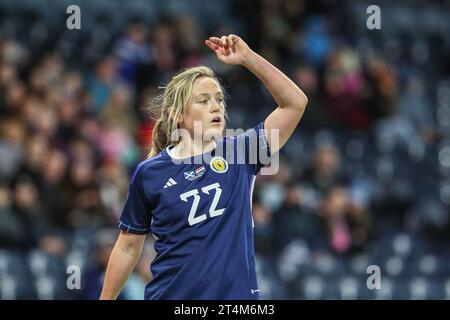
(213, 131)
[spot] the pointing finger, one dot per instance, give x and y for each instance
(216, 41)
(211, 45)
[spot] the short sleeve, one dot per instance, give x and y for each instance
(254, 147)
(136, 214)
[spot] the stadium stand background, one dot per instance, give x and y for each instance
(365, 180)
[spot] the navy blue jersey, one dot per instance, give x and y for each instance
(200, 214)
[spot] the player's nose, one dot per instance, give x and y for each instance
(214, 106)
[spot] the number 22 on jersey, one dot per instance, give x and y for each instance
(213, 211)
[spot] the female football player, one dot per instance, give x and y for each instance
(199, 211)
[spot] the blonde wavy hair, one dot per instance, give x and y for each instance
(172, 103)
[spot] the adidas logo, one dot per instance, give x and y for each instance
(170, 183)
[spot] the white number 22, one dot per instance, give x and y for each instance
(213, 211)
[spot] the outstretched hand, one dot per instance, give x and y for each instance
(229, 49)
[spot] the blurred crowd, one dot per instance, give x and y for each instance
(364, 180)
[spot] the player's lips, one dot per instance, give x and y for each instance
(217, 119)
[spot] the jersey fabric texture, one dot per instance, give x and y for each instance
(200, 213)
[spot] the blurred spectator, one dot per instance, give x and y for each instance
(103, 83)
(294, 221)
(53, 174)
(164, 41)
(12, 231)
(114, 184)
(317, 117)
(323, 174)
(190, 40)
(133, 51)
(28, 209)
(347, 224)
(381, 93)
(344, 85)
(12, 137)
(93, 277)
(415, 106)
(265, 235)
(325, 190)
(316, 42)
(83, 202)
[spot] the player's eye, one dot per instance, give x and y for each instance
(203, 101)
(220, 100)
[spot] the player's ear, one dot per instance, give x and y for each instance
(180, 119)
